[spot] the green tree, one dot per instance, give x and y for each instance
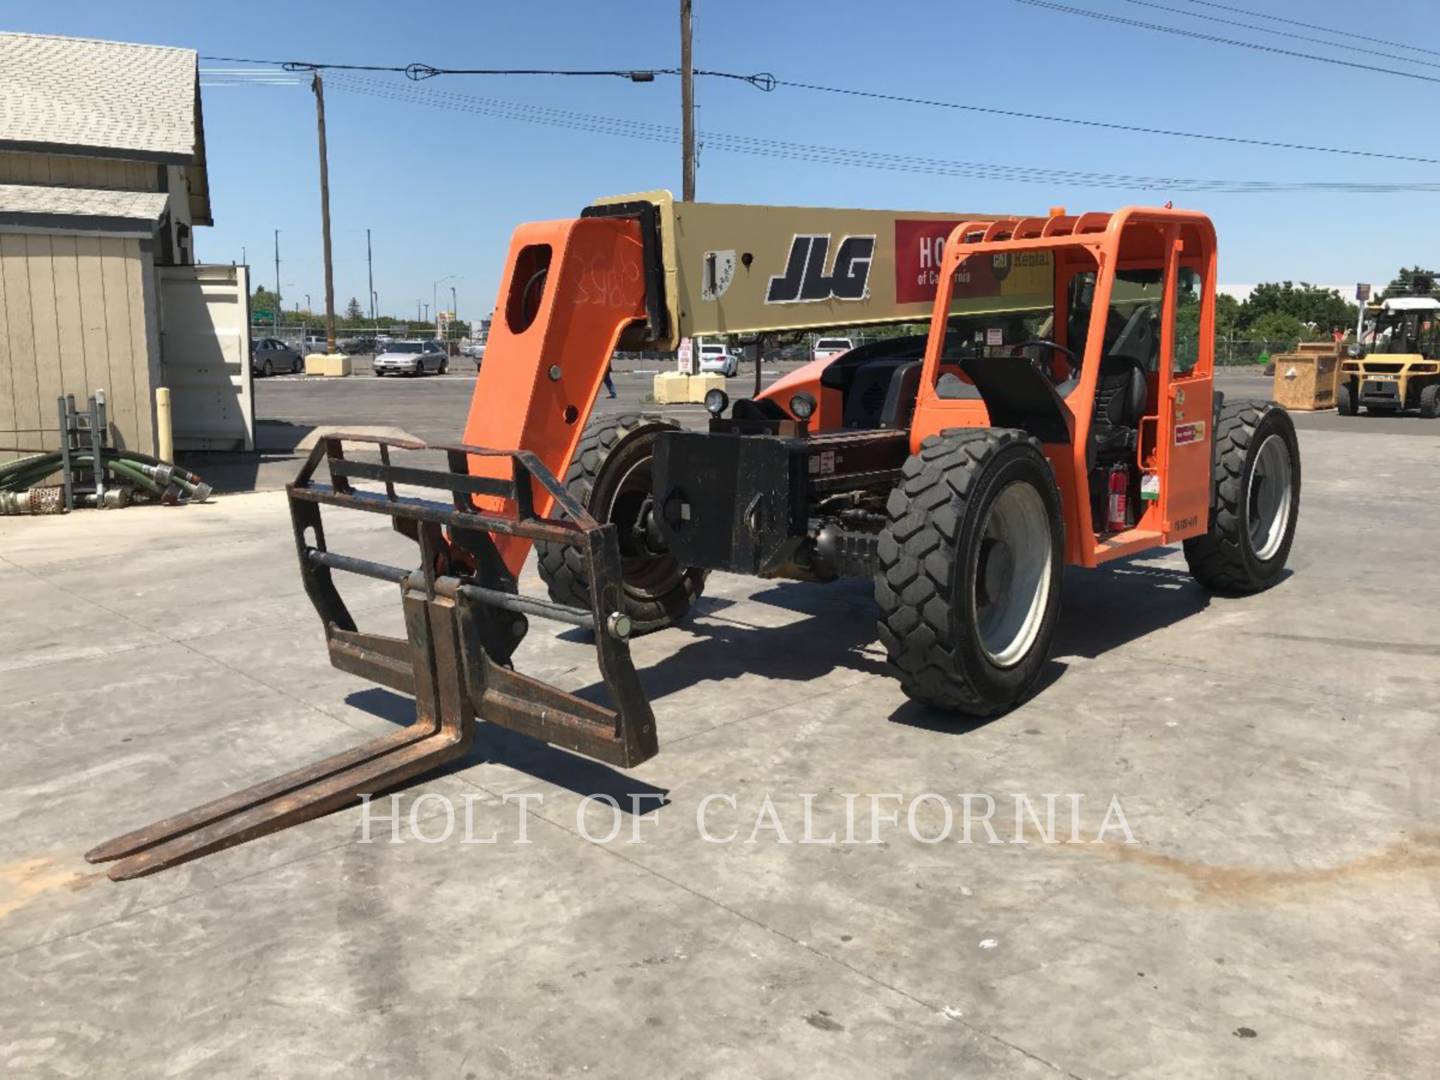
(1279, 328)
(353, 312)
(264, 300)
(1413, 281)
(1319, 310)
(1227, 315)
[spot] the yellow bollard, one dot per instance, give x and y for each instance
(164, 433)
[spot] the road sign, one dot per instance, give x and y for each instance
(684, 357)
(1362, 292)
(261, 314)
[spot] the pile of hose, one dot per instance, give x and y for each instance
(134, 476)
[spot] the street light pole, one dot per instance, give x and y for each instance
(434, 299)
(454, 307)
(319, 87)
(687, 106)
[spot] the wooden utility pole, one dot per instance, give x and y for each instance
(370, 273)
(687, 105)
(319, 88)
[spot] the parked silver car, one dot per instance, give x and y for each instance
(412, 358)
(269, 355)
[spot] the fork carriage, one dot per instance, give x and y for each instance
(463, 620)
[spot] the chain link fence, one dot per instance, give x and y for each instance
(1234, 352)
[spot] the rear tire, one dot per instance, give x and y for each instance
(1255, 500)
(1345, 403)
(610, 476)
(970, 564)
(1430, 401)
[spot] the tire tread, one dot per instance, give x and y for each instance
(917, 563)
(1217, 560)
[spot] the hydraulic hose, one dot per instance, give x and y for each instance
(149, 472)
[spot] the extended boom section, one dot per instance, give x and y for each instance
(463, 617)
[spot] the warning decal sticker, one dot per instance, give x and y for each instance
(1185, 434)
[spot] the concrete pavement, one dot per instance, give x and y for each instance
(1274, 758)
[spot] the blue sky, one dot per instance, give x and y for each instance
(441, 189)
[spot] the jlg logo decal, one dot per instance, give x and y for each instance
(805, 280)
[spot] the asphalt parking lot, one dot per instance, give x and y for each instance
(777, 907)
(433, 408)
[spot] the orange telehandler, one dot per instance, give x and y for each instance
(1058, 410)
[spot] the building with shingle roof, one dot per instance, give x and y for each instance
(102, 181)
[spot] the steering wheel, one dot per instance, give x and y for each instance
(1046, 364)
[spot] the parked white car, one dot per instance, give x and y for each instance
(715, 357)
(412, 358)
(828, 347)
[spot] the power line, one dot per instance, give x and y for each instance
(1105, 124)
(1279, 33)
(417, 72)
(1313, 26)
(767, 82)
(1214, 39)
(829, 155)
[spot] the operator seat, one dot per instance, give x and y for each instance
(1120, 395)
(899, 404)
(1122, 389)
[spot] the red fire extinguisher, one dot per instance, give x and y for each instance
(1117, 518)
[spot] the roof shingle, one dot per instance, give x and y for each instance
(19, 202)
(102, 97)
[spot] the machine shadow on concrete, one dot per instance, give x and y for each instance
(495, 745)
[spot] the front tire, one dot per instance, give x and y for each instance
(1255, 500)
(970, 565)
(1430, 401)
(1345, 403)
(610, 476)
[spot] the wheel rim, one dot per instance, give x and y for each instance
(1269, 497)
(1012, 574)
(644, 570)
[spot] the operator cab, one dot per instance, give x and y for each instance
(1406, 325)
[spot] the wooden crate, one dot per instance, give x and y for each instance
(1308, 378)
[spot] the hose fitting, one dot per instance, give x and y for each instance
(40, 500)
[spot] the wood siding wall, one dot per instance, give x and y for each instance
(77, 313)
(111, 174)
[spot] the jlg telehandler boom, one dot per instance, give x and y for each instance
(1059, 409)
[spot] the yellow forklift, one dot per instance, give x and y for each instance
(1396, 364)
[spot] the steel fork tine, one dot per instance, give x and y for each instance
(293, 807)
(445, 719)
(171, 828)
